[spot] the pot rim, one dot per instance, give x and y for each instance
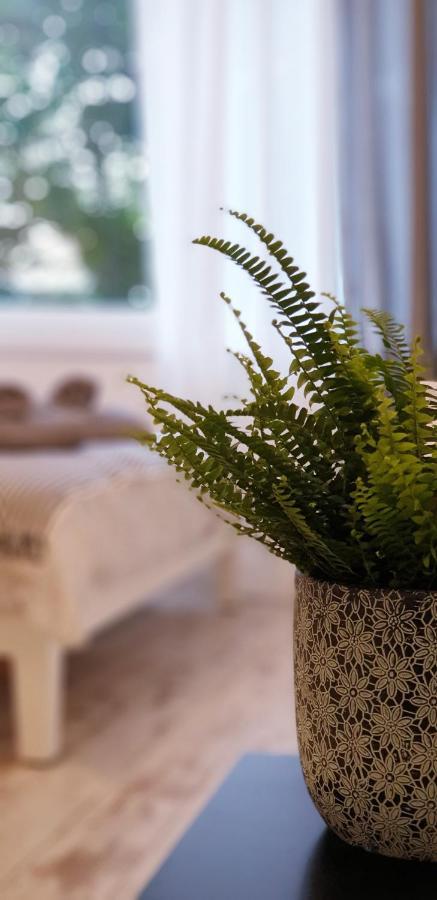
(410, 595)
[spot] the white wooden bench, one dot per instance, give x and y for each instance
(86, 535)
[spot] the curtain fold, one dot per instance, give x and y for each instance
(386, 84)
(430, 56)
(234, 98)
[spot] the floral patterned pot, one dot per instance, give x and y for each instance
(366, 708)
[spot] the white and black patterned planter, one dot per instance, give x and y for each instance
(366, 705)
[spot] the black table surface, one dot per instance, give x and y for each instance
(260, 838)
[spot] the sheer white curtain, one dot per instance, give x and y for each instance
(238, 113)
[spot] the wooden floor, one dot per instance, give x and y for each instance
(158, 710)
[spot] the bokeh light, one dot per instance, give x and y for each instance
(72, 154)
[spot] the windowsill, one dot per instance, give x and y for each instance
(84, 333)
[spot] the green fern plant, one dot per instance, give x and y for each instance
(345, 485)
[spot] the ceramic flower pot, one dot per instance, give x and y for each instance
(366, 706)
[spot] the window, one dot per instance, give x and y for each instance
(74, 226)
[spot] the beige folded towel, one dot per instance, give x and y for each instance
(75, 393)
(15, 402)
(57, 428)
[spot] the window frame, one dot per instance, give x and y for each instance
(91, 332)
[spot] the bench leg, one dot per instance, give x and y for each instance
(37, 691)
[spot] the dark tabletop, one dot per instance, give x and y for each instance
(260, 838)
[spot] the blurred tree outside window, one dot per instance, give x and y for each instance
(74, 223)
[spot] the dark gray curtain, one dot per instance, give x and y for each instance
(387, 89)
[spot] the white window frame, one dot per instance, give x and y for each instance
(77, 334)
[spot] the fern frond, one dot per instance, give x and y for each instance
(391, 333)
(344, 486)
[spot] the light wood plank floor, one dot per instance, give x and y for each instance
(158, 710)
